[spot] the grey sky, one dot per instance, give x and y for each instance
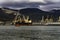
(49, 4)
(48, 7)
(44, 1)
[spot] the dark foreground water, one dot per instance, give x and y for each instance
(30, 33)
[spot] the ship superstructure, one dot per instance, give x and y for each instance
(50, 22)
(59, 19)
(21, 20)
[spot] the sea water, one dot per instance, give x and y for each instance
(30, 33)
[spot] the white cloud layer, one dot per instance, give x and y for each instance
(43, 1)
(22, 1)
(37, 1)
(30, 1)
(55, 1)
(5, 1)
(43, 7)
(49, 7)
(2, 1)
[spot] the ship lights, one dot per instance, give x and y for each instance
(30, 21)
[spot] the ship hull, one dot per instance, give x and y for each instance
(22, 24)
(53, 25)
(31, 24)
(45, 25)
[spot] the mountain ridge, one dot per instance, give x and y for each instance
(34, 13)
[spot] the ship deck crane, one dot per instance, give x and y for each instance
(21, 20)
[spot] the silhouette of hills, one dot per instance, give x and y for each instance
(4, 16)
(34, 13)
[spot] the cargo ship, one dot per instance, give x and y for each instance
(52, 23)
(47, 22)
(21, 20)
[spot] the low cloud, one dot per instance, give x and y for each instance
(54, 1)
(45, 5)
(50, 7)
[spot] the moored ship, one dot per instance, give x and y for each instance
(51, 23)
(48, 22)
(21, 20)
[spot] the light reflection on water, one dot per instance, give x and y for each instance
(30, 33)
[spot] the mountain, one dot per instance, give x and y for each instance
(56, 12)
(4, 16)
(34, 13)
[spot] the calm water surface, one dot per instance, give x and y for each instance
(30, 33)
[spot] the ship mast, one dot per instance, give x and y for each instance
(59, 19)
(47, 20)
(27, 17)
(42, 19)
(17, 17)
(51, 19)
(23, 18)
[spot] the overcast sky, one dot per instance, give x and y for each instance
(21, 0)
(49, 4)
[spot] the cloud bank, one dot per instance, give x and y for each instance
(45, 5)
